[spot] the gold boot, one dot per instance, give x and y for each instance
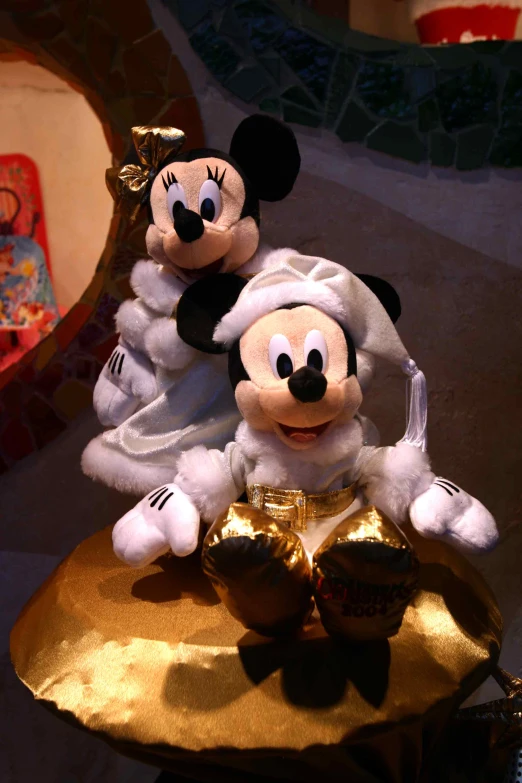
(259, 569)
(364, 575)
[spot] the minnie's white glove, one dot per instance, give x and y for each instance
(165, 519)
(447, 512)
(126, 381)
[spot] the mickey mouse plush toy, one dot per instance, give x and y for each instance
(325, 502)
(160, 394)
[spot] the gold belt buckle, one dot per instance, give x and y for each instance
(286, 505)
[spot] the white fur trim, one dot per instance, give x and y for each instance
(132, 319)
(393, 477)
(108, 466)
(158, 287)
(265, 300)
(264, 257)
(165, 347)
(419, 8)
(205, 477)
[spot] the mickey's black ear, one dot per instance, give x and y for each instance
(385, 293)
(267, 152)
(201, 308)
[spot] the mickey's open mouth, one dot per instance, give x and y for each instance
(203, 271)
(303, 434)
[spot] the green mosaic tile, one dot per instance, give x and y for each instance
(382, 89)
(341, 81)
(262, 24)
(453, 57)
(489, 48)
(511, 107)
(216, 53)
(507, 148)
(300, 116)
(273, 66)
(394, 97)
(231, 26)
(309, 59)
(442, 149)
(398, 140)
(468, 98)
(512, 55)
(190, 12)
(420, 82)
(355, 124)
(428, 115)
(299, 96)
(416, 56)
(271, 106)
(473, 147)
(248, 82)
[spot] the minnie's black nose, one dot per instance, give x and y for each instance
(188, 225)
(307, 384)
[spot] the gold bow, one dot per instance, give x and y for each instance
(129, 185)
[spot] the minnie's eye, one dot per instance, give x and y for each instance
(176, 199)
(281, 356)
(315, 350)
(210, 201)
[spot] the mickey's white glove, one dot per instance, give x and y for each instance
(165, 519)
(126, 381)
(447, 512)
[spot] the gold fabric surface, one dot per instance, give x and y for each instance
(154, 663)
(365, 575)
(294, 507)
(259, 569)
(130, 184)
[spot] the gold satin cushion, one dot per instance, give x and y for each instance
(154, 664)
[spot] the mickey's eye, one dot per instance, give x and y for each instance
(210, 201)
(281, 356)
(315, 350)
(176, 199)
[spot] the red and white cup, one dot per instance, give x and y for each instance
(464, 21)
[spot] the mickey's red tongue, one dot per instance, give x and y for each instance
(304, 434)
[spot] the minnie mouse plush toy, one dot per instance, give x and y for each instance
(159, 394)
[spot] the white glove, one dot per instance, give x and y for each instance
(165, 519)
(126, 380)
(446, 511)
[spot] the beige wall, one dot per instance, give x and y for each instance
(45, 119)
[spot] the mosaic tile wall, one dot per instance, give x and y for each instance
(124, 66)
(458, 106)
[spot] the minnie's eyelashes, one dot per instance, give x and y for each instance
(215, 177)
(171, 180)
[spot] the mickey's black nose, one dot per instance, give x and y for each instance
(307, 384)
(188, 225)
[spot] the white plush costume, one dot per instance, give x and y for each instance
(398, 480)
(161, 396)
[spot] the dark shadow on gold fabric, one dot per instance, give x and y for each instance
(462, 601)
(179, 576)
(316, 672)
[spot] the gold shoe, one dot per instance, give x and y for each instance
(364, 575)
(259, 569)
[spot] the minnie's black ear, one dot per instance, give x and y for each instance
(385, 293)
(201, 308)
(267, 152)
